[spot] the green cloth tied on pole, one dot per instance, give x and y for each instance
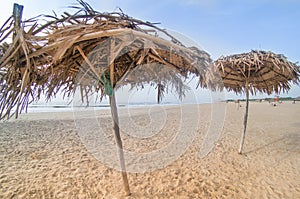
(105, 79)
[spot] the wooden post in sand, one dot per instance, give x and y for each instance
(17, 15)
(115, 117)
(114, 113)
(159, 93)
(245, 117)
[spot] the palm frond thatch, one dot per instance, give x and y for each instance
(49, 54)
(261, 71)
(265, 72)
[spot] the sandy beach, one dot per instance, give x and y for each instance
(46, 155)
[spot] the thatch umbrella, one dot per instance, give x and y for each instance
(256, 71)
(97, 52)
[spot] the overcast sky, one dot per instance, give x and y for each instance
(221, 27)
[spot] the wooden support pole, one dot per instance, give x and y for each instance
(114, 113)
(245, 117)
(17, 15)
(159, 93)
(111, 61)
(115, 117)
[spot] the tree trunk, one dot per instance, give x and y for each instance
(114, 113)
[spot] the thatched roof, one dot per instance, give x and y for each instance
(95, 51)
(265, 72)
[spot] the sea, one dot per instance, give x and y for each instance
(71, 108)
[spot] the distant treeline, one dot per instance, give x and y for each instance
(268, 99)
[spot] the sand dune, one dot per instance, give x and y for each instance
(45, 155)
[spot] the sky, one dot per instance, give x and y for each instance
(220, 27)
